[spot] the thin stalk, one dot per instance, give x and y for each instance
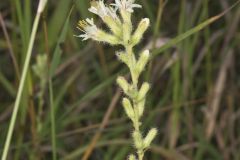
(15, 63)
(22, 80)
(136, 123)
(53, 131)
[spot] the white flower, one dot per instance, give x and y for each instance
(127, 5)
(99, 8)
(112, 13)
(89, 28)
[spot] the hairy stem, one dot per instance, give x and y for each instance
(134, 77)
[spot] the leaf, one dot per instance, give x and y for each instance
(192, 31)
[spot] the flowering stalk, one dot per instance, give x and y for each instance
(122, 34)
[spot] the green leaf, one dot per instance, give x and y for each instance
(192, 31)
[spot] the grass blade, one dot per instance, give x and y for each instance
(192, 31)
(54, 63)
(21, 86)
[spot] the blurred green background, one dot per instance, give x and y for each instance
(195, 83)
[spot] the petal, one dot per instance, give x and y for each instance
(93, 10)
(118, 3)
(90, 21)
(130, 10)
(136, 6)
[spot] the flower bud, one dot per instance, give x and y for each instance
(127, 31)
(108, 38)
(127, 25)
(143, 91)
(121, 81)
(142, 27)
(126, 16)
(128, 108)
(150, 136)
(141, 107)
(137, 138)
(113, 25)
(131, 157)
(144, 58)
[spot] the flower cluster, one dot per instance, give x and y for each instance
(100, 9)
(89, 28)
(127, 5)
(117, 26)
(117, 17)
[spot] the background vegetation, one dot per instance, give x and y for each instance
(70, 106)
